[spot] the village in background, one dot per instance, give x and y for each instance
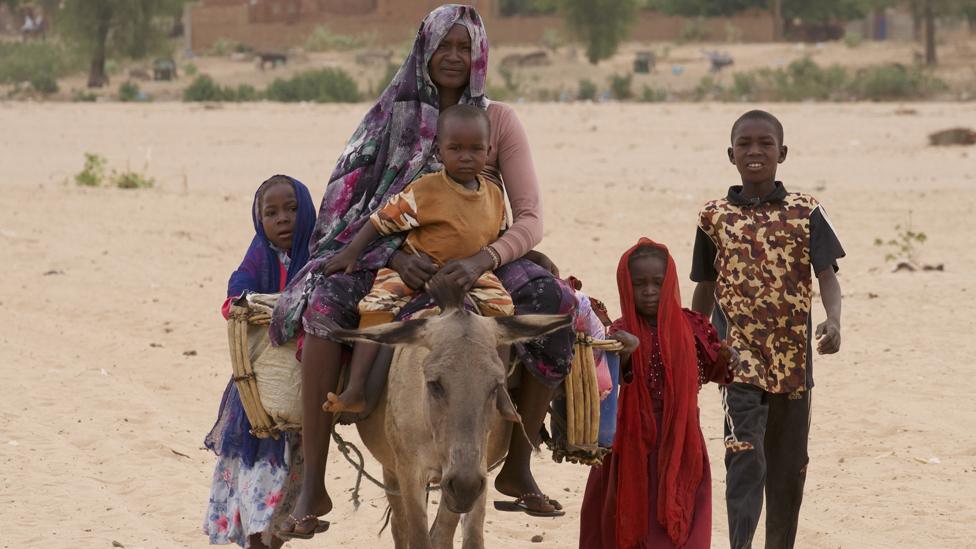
(347, 50)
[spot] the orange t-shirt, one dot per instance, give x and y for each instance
(446, 220)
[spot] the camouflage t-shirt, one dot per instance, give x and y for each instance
(760, 253)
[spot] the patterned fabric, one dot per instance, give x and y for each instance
(390, 294)
(764, 286)
(392, 145)
(535, 292)
(707, 344)
(445, 220)
(247, 500)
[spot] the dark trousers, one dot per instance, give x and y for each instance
(766, 452)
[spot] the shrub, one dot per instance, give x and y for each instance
(651, 95)
(587, 90)
(83, 97)
(885, 82)
(327, 85)
(132, 180)
(93, 174)
(222, 47)
(708, 89)
(35, 62)
(620, 86)
(693, 31)
(190, 69)
(203, 88)
(853, 39)
(128, 91)
(44, 83)
(322, 39)
(246, 92)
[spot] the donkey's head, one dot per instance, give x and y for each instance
(464, 381)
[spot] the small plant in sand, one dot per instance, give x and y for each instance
(132, 180)
(620, 86)
(653, 95)
(587, 90)
(128, 92)
(190, 69)
(93, 174)
(903, 248)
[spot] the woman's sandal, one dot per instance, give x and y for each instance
(521, 505)
(320, 526)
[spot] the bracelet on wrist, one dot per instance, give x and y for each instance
(496, 259)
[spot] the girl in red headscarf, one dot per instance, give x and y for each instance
(654, 489)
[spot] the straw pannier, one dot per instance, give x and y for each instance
(268, 378)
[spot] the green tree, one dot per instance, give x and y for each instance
(601, 24)
(128, 27)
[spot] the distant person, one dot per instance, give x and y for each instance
(654, 489)
(256, 480)
(755, 252)
(447, 215)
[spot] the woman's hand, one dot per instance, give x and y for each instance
(345, 261)
(463, 273)
(415, 270)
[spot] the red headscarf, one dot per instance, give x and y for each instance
(680, 463)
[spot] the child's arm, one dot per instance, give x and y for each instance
(703, 301)
(630, 343)
(346, 259)
(399, 214)
(828, 332)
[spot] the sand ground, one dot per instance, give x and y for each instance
(103, 290)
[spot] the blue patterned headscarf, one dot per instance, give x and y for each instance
(389, 149)
(259, 270)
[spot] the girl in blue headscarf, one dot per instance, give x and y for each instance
(256, 480)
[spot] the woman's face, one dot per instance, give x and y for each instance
(450, 66)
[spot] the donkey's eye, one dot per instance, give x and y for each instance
(435, 389)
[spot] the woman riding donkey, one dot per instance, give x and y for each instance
(394, 145)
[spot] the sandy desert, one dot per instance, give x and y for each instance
(104, 293)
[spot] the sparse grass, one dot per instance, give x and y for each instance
(129, 91)
(93, 173)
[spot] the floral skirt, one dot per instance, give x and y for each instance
(252, 500)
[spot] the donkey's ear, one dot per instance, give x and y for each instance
(394, 333)
(511, 329)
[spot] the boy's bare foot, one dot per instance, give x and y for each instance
(346, 402)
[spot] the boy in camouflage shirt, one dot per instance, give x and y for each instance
(755, 250)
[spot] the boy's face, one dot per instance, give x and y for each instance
(463, 146)
(756, 151)
(646, 276)
(278, 211)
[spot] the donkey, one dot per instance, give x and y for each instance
(445, 415)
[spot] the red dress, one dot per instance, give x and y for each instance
(597, 516)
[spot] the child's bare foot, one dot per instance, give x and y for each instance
(346, 402)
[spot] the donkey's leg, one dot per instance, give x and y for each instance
(445, 524)
(398, 519)
(473, 525)
(413, 497)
